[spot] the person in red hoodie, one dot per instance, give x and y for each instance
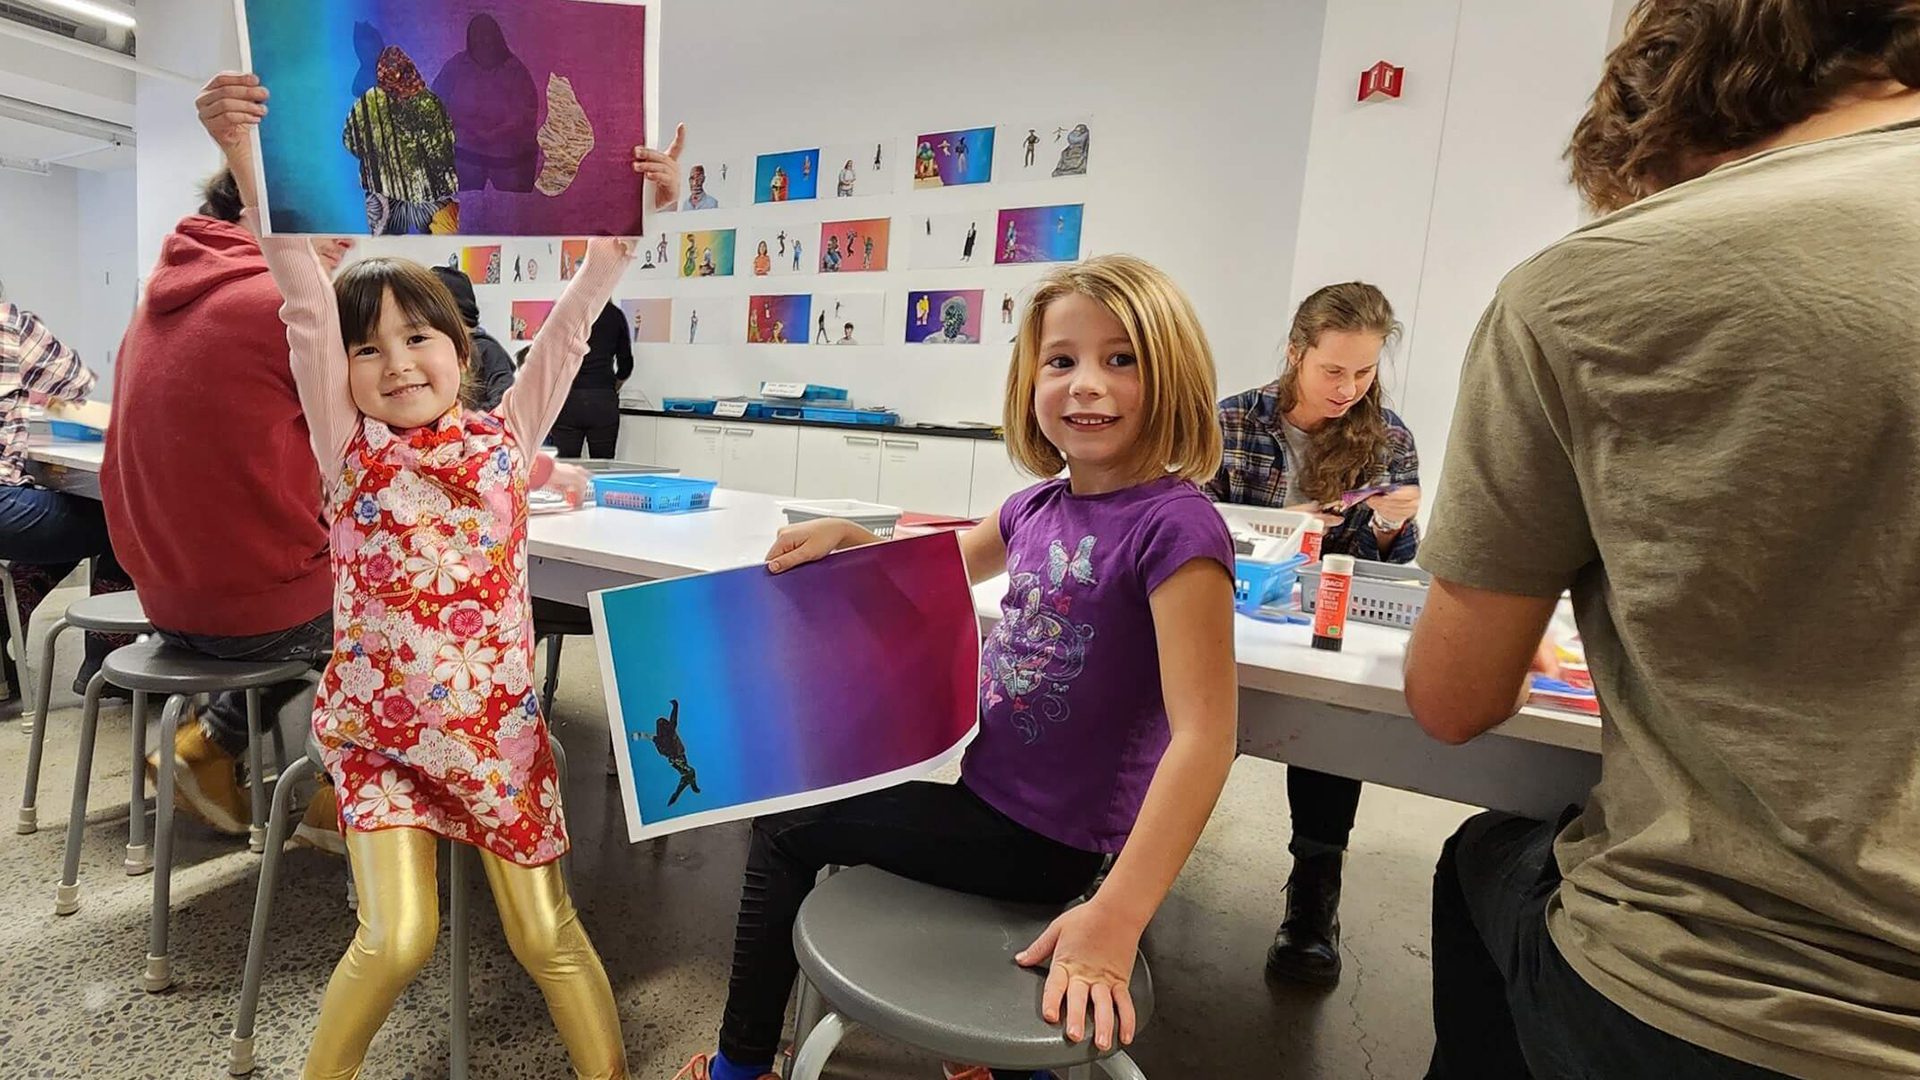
(210, 488)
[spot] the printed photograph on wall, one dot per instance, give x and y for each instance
(529, 262)
(948, 158)
(1043, 148)
(777, 250)
(779, 320)
(710, 183)
(476, 117)
(848, 318)
(854, 246)
(649, 321)
(706, 254)
(860, 168)
(527, 317)
(573, 255)
(786, 177)
(655, 259)
(708, 320)
(481, 264)
(1038, 234)
(944, 316)
(947, 240)
(1004, 310)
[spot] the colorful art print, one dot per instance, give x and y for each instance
(649, 321)
(1038, 234)
(859, 168)
(1043, 149)
(475, 117)
(786, 177)
(778, 250)
(706, 254)
(527, 317)
(949, 158)
(573, 255)
(877, 651)
(854, 246)
(848, 318)
(709, 184)
(944, 316)
(481, 264)
(782, 320)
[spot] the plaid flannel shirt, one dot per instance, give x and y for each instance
(32, 361)
(1255, 472)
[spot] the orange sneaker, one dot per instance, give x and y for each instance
(700, 1067)
(206, 779)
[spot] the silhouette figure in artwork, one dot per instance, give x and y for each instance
(495, 107)
(666, 742)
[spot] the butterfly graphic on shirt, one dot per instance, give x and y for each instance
(1080, 565)
(1037, 651)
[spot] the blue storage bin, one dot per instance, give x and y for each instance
(653, 494)
(1258, 584)
(67, 429)
(850, 416)
(814, 393)
(688, 406)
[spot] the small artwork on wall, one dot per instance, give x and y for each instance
(711, 184)
(649, 321)
(1038, 234)
(1004, 309)
(854, 246)
(708, 320)
(950, 158)
(946, 240)
(1043, 148)
(778, 250)
(527, 317)
(780, 320)
(706, 254)
(573, 255)
(848, 318)
(861, 167)
(481, 264)
(944, 316)
(786, 177)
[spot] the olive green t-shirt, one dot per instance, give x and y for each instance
(1702, 414)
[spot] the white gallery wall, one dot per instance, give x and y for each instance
(68, 256)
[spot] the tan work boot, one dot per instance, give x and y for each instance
(206, 780)
(320, 829)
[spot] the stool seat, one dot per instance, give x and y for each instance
(110, 613)
(158, 668)
(935, 968)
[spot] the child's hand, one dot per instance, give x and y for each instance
(1092, 953)
(230, 105)
(662, 168)
(809, 541)
(572, 481)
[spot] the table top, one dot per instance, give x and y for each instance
(738, 529)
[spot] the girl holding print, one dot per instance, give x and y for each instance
(1107, 690)
(426, 714)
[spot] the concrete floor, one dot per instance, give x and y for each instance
(661, 915)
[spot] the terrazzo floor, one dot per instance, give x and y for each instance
(661, 915)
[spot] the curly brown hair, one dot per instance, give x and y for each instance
(1696, 78)
(1349, 449)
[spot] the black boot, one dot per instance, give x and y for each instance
(1307, 948)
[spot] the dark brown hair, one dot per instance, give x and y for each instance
(1697, 78)
(220, 197)
(363, 286)
(1349, 448)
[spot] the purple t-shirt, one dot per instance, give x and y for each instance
(1071, 721)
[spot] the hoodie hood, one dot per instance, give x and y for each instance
(200, 255)
(486, 43)
(461, 287)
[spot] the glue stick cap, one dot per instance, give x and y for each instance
(1337, 564)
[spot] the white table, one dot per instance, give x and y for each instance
(1342, 712)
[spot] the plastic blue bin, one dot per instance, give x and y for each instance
(1258, 584)
(815, 392)
(850, 416)
(653, 494)
(688, 406)
(67, 429)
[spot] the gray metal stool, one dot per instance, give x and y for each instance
(150, 667)
(867, 941)
(112, 613)
(240, 1060)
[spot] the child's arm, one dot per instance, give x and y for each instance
(982, 546)
(229, 106)
(533, 402)
(1092, 947)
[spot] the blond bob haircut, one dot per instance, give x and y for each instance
(1181, 433)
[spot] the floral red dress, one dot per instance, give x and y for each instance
(427, 714)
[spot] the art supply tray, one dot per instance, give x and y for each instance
(67, 429)
(873, 517)
(1260, 584)
(1385, 594)
(653, 494)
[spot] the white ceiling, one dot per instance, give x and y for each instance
(41, 75)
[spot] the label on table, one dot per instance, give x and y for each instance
(783, 389)
(732, 409)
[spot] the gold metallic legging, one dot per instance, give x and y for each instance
(394, 872)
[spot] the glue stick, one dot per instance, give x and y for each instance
(1330, 602)
(1312, 534)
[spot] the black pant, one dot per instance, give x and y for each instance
(591, 417)
(1322, 806)
(940, 834)
(1506, 1004)
(44, 535)
(226, 722)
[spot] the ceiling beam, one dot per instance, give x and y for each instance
(98, 55)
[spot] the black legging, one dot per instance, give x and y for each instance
(591, 417)
(937, 833)
(1323, 807)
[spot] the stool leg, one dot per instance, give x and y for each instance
(139, 852)
(554, 642)
(813, 1054)
(37, 719)
(256, 778)
(240, 1050)
(66, 898)
(17, 634)
(159, 973)
(457, 862)
(1080, 1072)
(1121, 1067)
(806, 1012)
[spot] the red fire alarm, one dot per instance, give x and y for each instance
(1381, 80)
